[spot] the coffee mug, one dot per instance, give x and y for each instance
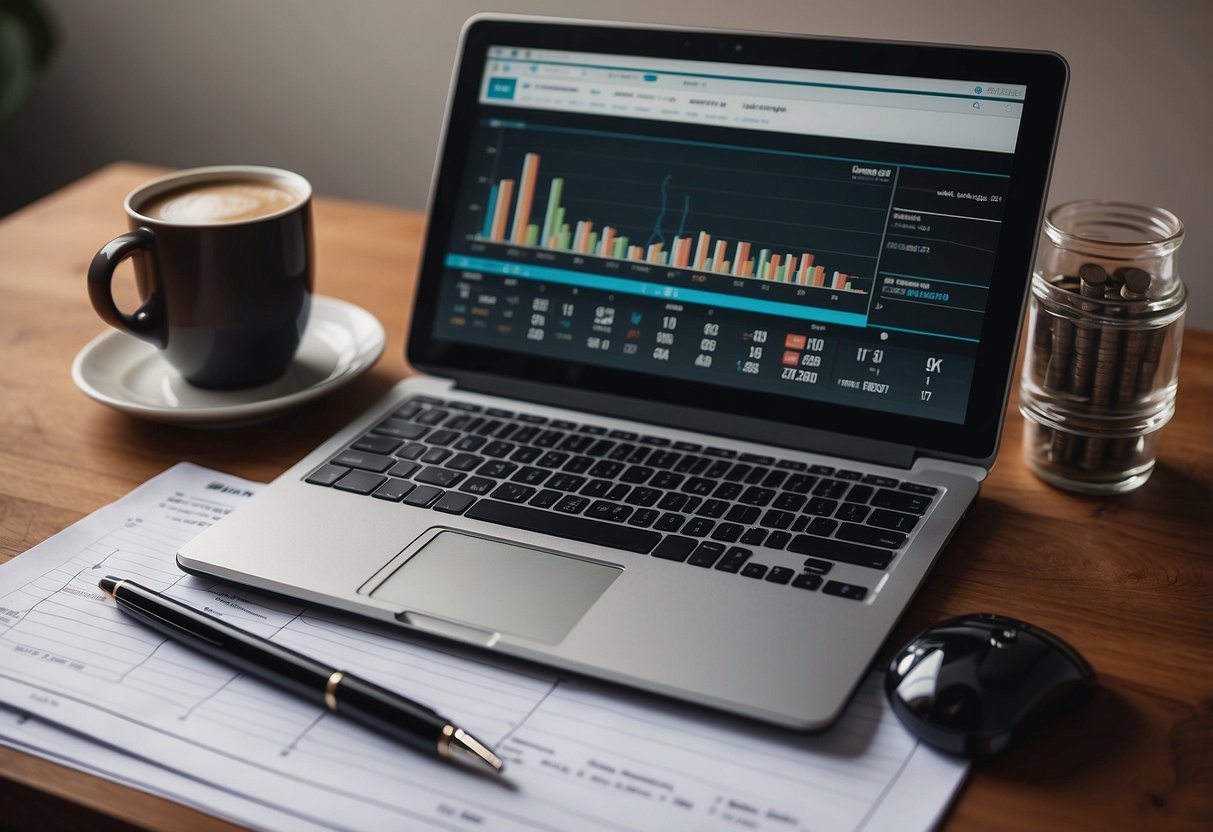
(223, 265)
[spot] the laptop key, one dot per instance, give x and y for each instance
(831, 489)
(470, 443)
(403, 468)
(513, 492)
(807, 580)
(916, 488)
(400, 429)
(860, 494)
(698, 526)
(852, 512)
(365, 460)
(413, 450)
(754, 537)
(800, 483)
(377, 444)
(674, 547)
(644, 517)
(572, 504)
(734, 559)
(578, 464)
(636, 474)
(727, 532)
(423, 496)
(780, 574)
(821, 506)
(642, 496)
(727, 491)
(606, 510)
(896, 520)
(464, 462)
(824, 526)
(606, 469)
(840, 550)
(497, 468)
(530, 476)
(713, 508)
(776, 519)
(452, 502)
(706, 554)
(883, 482)
(583, 529)
(670, 522)
(745, 515)
(439, 476)
(327, 474)
(478, 486)
(787, 501)
(852, 591)
(754, 570)
(884, 538)
(816, 565)
(359, 482)
(499, 449)
(896, 500)
(526, 455)
(565, 482)
(435, 455)
(777, 540)
(546, 499)
(442, 437)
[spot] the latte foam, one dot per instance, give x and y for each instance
(220, 201)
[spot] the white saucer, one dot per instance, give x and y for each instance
(341, 342)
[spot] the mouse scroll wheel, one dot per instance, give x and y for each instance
(1004, 637)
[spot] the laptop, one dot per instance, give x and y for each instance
(714, 334)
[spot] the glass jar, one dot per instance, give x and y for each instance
(1104, 331)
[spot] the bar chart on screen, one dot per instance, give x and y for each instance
(741, 213)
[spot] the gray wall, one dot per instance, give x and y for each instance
(351, 94)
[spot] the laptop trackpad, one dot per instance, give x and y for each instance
(497, 586)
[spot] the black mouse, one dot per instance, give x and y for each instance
(974, 684)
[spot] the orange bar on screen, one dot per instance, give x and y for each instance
(740, 258)
(526, 197)
(505, 192)
(701, 251)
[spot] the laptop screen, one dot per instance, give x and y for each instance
(783, 236)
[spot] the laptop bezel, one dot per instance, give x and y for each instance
(809, 425)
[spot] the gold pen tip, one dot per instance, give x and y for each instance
(460, 746)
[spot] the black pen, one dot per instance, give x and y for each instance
(386, 712)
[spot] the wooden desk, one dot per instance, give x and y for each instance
(1126, 580)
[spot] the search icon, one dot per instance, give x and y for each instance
(976, 105)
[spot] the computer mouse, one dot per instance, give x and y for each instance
(975, 684)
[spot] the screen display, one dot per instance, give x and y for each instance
(826, 236)
(809, 240)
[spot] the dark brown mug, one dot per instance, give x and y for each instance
(223, 265)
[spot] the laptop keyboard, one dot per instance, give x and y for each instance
(705, 506)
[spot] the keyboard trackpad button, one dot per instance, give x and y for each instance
(496, 586)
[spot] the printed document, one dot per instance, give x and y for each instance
(151, 713)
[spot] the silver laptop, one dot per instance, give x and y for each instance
(716, 333)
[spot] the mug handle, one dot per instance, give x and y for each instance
(148, 322)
